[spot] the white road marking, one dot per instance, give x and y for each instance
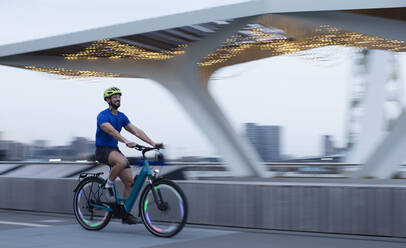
(52, 221)
(22, 224)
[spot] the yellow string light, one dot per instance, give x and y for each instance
(322, 36)
(116, 50)
(72, 74)
(272, 43)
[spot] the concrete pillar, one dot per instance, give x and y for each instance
(184, 79)
(241, 159)
(381, 152)
(388, 156)
(373, 118)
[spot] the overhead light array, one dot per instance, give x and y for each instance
(116, 50)
(72, 73)
(272, 41)
(322, 36)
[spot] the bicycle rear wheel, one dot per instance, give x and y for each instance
(169, 217)
(90, 217)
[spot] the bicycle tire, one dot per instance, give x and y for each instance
(167, 222)
(89, 217)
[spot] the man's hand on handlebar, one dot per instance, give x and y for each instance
(156, 147)
(131, 144)
(147, 149)
(159, 145)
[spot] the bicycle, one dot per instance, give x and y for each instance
(163, 206)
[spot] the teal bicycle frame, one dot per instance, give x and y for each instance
(128, 203)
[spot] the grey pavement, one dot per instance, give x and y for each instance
(41, 230)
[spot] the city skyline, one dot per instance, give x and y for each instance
(265, 139)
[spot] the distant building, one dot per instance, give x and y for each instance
(11, 150)
(40, 143)
(329, 148)
(80, 148)
(328, 145)
(3, 150)
(266, 140)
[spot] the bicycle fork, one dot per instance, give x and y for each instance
(156, 193)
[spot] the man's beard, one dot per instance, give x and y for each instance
(115, 106)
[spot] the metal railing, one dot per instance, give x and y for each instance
(197, 170)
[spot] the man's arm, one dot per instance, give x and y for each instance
(139, 133)
(109, 129)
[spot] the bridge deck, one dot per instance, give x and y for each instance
(20, 229)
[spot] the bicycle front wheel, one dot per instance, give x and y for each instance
(165, 214)
(88, 205)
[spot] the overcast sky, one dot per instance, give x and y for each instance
(307, 98)
(26, 19)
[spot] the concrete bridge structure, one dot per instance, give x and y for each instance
(181, 51)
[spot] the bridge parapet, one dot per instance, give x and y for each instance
(361, 207)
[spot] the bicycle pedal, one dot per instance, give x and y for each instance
(118, 210)
(130, 220)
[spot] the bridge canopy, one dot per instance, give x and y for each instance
(275, 28)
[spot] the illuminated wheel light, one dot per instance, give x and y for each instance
(84, 219)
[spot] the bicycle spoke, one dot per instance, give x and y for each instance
(87, 198)
(91, 218)
(168, 217)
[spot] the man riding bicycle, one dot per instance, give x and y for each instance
(109, 124)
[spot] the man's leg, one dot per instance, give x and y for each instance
(126, 177)
(117, 162)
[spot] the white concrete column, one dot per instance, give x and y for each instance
(380, 152)
(240, 157)
(373, 118)
(182, 77)
(389, 155)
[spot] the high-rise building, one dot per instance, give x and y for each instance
(328, 145)
(329, 148)
(266, 140)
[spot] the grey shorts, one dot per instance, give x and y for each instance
(103, 152)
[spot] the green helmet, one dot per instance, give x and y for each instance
(111, 91)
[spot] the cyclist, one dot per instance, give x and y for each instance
(109, 124)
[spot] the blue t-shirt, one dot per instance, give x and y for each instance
(117, 121)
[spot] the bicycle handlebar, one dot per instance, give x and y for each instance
(145, 149)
